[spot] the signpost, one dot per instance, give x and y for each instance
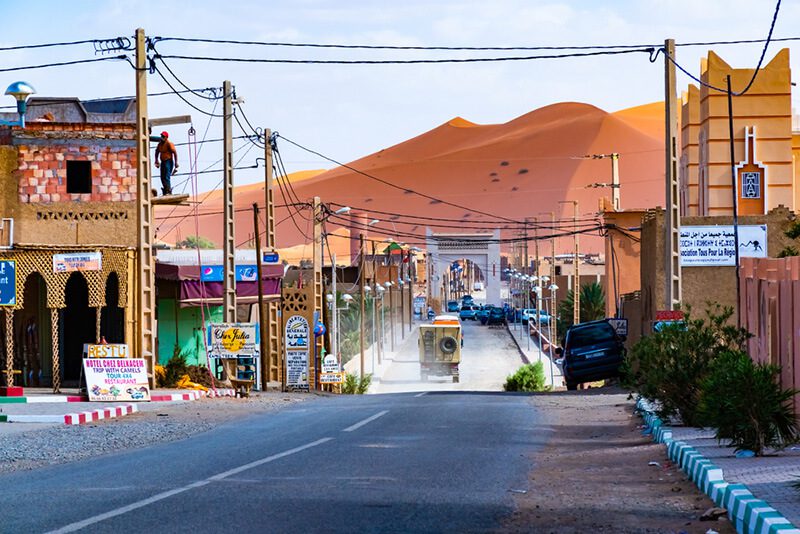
(296, 341)
(8, 283)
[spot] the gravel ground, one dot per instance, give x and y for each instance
(30, 446)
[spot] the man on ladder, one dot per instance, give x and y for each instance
(165, 151)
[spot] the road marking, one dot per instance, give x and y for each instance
(365, 421)
(72, 527)
(421, 394)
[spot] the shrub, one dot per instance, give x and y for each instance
(670, 366)
(529, 377)
(355, 385)
(745, 403)
(787, 252)
(176, 367)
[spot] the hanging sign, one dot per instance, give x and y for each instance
(8, 283)
(715, 245)
(106, 350)
(233, 340)
(215, 273)
(296, 336)
(116, 379)
(79, 261)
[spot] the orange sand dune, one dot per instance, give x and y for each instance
(516, 170)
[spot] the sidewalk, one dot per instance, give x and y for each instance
(529, 346)
(40, 405)
(387, 357)
(749, 488)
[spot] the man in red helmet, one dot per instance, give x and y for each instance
(165, 151)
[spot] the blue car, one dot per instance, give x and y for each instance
(452, 306)
(467, 312)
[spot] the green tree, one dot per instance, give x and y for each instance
(593, 305)
(195, 241)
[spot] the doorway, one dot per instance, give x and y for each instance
(77, 328)
(112, 321)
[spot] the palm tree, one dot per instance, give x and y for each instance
(593, 305)
(195, 241)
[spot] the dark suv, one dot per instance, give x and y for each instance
(591, 351)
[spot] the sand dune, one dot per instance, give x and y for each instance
(515, 170)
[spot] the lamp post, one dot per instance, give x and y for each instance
(379, 290)
(553, 288)
(20, 91)
(389, 285)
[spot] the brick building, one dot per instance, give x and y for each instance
(68, 190)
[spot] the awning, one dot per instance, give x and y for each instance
(194, 292)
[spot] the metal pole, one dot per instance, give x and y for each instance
(553, 320)
(229, 250)
(375, 284)
(672, 224)
(391, 300)
(735, 192)
(576, 313)
(274, 330)
(335, 318)
(411, 276)
(361, 299)
(145, 259)
(262, 310)
(402, 298)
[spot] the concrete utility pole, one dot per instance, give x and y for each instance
(145, 260)
(615, 181)
(361, 276)
(391, 299)
(553, 311)
(319, 342)
(402, 298)
(672, 222)
(410, 277)
(229, 247)
(262, 310)
(375, 285)
(274, 370)
(576, 314)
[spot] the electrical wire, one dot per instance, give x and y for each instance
(65, 63)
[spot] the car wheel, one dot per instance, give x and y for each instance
(572, 386)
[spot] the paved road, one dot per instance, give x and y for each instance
(430, 462)
(487, 358)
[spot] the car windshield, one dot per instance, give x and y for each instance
(589, 334)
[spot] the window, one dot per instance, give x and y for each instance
(79, 177)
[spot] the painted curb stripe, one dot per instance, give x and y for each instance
(97, 415)
(747, 513)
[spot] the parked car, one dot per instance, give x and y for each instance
(527, 313)
(482, 314)
(542, 318)
(467, 300)
(452, 306)
(591, 351)
(467, 312)
(496, 315)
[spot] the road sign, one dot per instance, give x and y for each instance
(8, 283)
(620, 326)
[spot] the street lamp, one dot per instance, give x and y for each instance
(343, 209)
(553, 288)
(20, 91)
(379, 290)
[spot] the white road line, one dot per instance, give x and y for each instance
(72, 527)
(421, 394)
(365, 421)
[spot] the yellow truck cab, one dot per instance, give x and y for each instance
(440, 347)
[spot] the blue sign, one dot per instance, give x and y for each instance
(8, 283)
(271, 257)
(214, 273)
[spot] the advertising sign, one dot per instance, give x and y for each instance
(297, 345)
(116, 379)
(620, 326)
(233, 340)
(109, 350)
(330, 364)
(79, 261)
(331, 378)
(8, 283)
(214, 273)
(715, 245)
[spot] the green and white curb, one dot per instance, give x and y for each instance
(748, 514)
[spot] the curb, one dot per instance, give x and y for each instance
(522, 354)
(74, 418)
(748, 514)
(43, 399)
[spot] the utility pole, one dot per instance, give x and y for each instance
(375, 285)
(274, 370)
(229, 251)
(391, 300)
(554, 312)
(319, 342)
(410, 277)
(615, 181)
(335, 312)
(262, 310)
(672, 222)
(145, 260)
(402, 298)
(539, 285)
(361, 275)
(576, 313)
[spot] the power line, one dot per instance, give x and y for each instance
(65, 63)
(101, 45)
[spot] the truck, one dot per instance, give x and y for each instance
(440, 347)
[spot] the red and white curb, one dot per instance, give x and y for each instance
(188, 396)
(220, 392)
(74, 418)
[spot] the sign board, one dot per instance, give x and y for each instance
(215, 273)
(658, 326)
(296, 341)
(233, 340)
(8, 283)
(669, 315)
(703, 246)
(331, 378)
(116, 379)
(108, 350)
(620, 326)
(79, 261)
(330, 364)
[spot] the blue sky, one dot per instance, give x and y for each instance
(346, 112)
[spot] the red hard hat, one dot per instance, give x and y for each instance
(164, 134)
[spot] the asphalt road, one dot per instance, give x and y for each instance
(431, 462)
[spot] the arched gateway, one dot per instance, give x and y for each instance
(482, 249)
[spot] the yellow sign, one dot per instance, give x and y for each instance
(112, 350)
(331, 378)
(233, 339)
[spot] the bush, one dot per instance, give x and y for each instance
(745, 403)
(176, 367)
(354, 385)
(670, 366)
(529, 377)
